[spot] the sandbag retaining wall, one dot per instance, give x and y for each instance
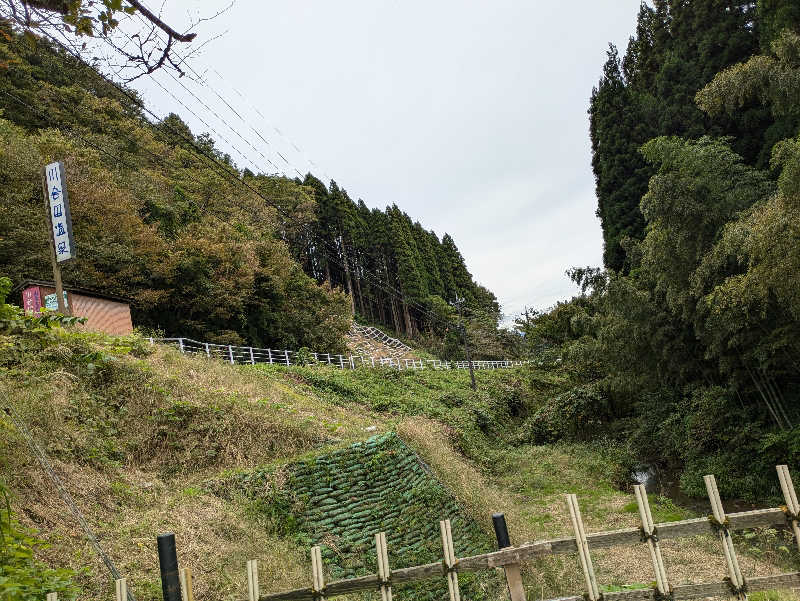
(340, 500)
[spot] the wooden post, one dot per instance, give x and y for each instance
(52, 596)
(734, 572)
(583, 548)
(790, 496)
(384, 573)
(662, 582)
(513, 575)
(186, 584)
(121, 589)
(449, 560)
(253, 589)
(317, 574)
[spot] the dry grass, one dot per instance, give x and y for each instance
(127, 509)
(134, 445)
(531, 494)
(136, 442)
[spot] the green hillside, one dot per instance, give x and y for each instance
(680, 356)
(233, 459)
(205, 248)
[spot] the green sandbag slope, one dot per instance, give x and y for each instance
(340, 500)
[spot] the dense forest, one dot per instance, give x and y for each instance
(203, 248)
(686, 345)
(678, 47)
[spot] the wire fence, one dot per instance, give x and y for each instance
(252, 355)
(382, 337)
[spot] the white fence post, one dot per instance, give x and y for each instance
(252, 359)
(269, 354)
(286, 354)
(180, 344)
(230, 353)
(341, 362)
(208, 353)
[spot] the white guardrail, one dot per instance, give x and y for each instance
(252, 355)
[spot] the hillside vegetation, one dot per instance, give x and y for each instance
(148, 440)
(685, 347)
(205, 248)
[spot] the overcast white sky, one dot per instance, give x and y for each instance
(471, 116)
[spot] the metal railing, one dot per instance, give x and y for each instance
(252, 355)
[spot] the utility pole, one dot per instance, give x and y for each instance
(459, 303)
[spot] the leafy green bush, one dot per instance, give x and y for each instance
(22, 576)
(573, 415)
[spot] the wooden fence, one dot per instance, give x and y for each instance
(252, 355)
(718, 523)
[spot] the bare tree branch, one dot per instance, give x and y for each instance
(143, 48)
(163, 26)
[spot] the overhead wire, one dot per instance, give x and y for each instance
(202, 81)
(396, 293)
(198, 80)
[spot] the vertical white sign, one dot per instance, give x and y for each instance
(60, 218)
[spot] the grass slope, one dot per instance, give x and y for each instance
(140, 435)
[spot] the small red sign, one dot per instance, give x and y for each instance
(31, 299)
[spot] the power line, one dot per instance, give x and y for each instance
(200, 82)
(397, 294)
(119, 159)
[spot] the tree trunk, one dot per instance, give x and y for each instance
(407, 316)
(348, 279)
(395, 316)
(381, 308)
(360, 295)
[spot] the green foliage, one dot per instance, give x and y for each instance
(575, 415)
(677, 49)
(22, 576)
(398, 274)
(692, 349)
(198, 253)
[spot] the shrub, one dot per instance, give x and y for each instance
(22, 576)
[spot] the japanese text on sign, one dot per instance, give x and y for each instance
(59, 211)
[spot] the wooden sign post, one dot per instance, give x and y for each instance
(59, 221)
